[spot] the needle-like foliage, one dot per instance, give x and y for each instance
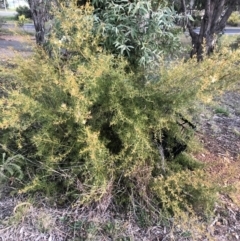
(95, 130)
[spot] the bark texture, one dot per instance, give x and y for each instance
(216, 14)
(40, 14)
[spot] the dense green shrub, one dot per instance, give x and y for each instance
(141, 31)
(186, 190)
(94, 131)
(23, 10)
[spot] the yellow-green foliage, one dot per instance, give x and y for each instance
(234, 19)
(186, 190)
(89, 125)
(184, 162)
(21, 20)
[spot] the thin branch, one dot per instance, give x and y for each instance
(161, 153)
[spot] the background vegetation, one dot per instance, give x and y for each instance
(23, 10)
(234, 19)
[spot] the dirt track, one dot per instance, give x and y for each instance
(12, 42)
(10, 45)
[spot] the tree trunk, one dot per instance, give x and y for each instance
(213, 23)
(40, 14)
(5, 5)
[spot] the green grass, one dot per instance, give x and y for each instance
(222, 111)
(13, 19)
(15, 31)
(9, 18)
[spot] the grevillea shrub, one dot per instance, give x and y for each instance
(90, 131)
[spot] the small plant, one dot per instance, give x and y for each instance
(21, 20)
(222, 111)
(20, 213)
(186, 190)
(45, 222)
(10, 167)
(236, 131)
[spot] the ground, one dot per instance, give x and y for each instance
(218, 128)
(221, 126)
(219, 131)
(11, 43)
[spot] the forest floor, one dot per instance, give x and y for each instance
(219, 133)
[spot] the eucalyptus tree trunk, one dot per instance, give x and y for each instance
(40, 15)
(216, 14)
(5, 5)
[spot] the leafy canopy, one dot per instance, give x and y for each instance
(139, 30)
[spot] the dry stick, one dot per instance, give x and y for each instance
(161, 152)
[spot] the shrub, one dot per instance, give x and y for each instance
(140, 31)
(234, 43)
(97, 132)
(222, 111)
(23, 10)
(234, 19)
(21, 20)
(186, 190)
